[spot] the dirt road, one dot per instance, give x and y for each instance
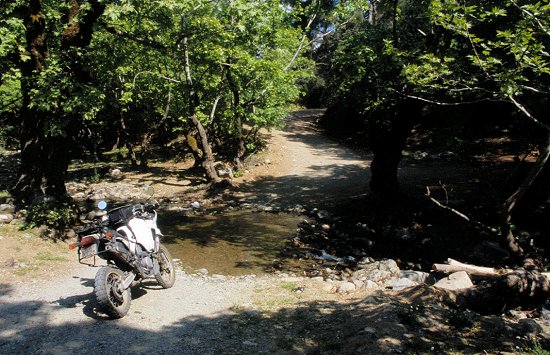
(199, 315)
(305, 167)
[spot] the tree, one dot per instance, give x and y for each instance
(50, 74)
(366, 81)
(385, 68)
(489, 51)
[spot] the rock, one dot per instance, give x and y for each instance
(369, 285)
(402, 284)
(365, 261)
(195, 205)
(217, 277)
(202, 272)
(389, 265)
(358, 284)
(97, 197)
(115, 173)
(69, 233)
(455, 281)
(346, 287)
(372, 300)
(6, 208)
(529, 327)
(324, 215)
(417, 276)
(79, 196)
(6, 218)
(329, 287)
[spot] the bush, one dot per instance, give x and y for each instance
(54, 215)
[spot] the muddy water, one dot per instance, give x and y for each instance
(233, 243)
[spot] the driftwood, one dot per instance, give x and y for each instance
(502, 290)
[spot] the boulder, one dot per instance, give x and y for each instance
(455, 281)
(6, 208)
(6, 218)
(402, 284)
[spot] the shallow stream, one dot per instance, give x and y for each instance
(233, 243)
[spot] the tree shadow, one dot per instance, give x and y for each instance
(410, 322)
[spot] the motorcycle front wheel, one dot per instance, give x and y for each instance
(112, 299)
(166, 276)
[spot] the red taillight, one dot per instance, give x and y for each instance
(73, 246)
(88, 240)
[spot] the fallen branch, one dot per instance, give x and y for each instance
(439, 204)
(455, 266)
(503, 289)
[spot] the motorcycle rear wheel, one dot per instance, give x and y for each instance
(110, 296)
(166, 276)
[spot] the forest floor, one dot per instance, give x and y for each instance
(47, 304)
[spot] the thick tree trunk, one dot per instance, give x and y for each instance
(387, 144)
(43, 164)
(44, 157)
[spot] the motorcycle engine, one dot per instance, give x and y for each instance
(147, 262)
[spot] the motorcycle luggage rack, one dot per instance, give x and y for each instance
(86, 263)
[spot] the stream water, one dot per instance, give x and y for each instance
(234, 243)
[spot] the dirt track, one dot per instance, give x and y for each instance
(198, 315)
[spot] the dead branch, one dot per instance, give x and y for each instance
(455, 266)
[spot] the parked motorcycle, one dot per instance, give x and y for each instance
(128, 239)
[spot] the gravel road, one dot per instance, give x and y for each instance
(199, 315)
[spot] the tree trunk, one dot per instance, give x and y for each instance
(127, 142)
(372, 13)
(43, 164)
(498, 290)
(512, 201)
(208, 163)
(45, 157)
(152, 130)
(387, 144)
(241, 148)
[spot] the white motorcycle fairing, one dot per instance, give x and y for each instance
(140, 231)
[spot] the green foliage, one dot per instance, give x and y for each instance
(445, 52)
(245, 62)
(54, 215)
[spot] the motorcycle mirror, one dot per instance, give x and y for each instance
(149, 191)
(102, 205)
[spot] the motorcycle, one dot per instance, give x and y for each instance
(128, 239)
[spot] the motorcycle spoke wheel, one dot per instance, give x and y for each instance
(112, 299)
(166, 277)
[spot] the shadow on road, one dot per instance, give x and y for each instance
(374, 325)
